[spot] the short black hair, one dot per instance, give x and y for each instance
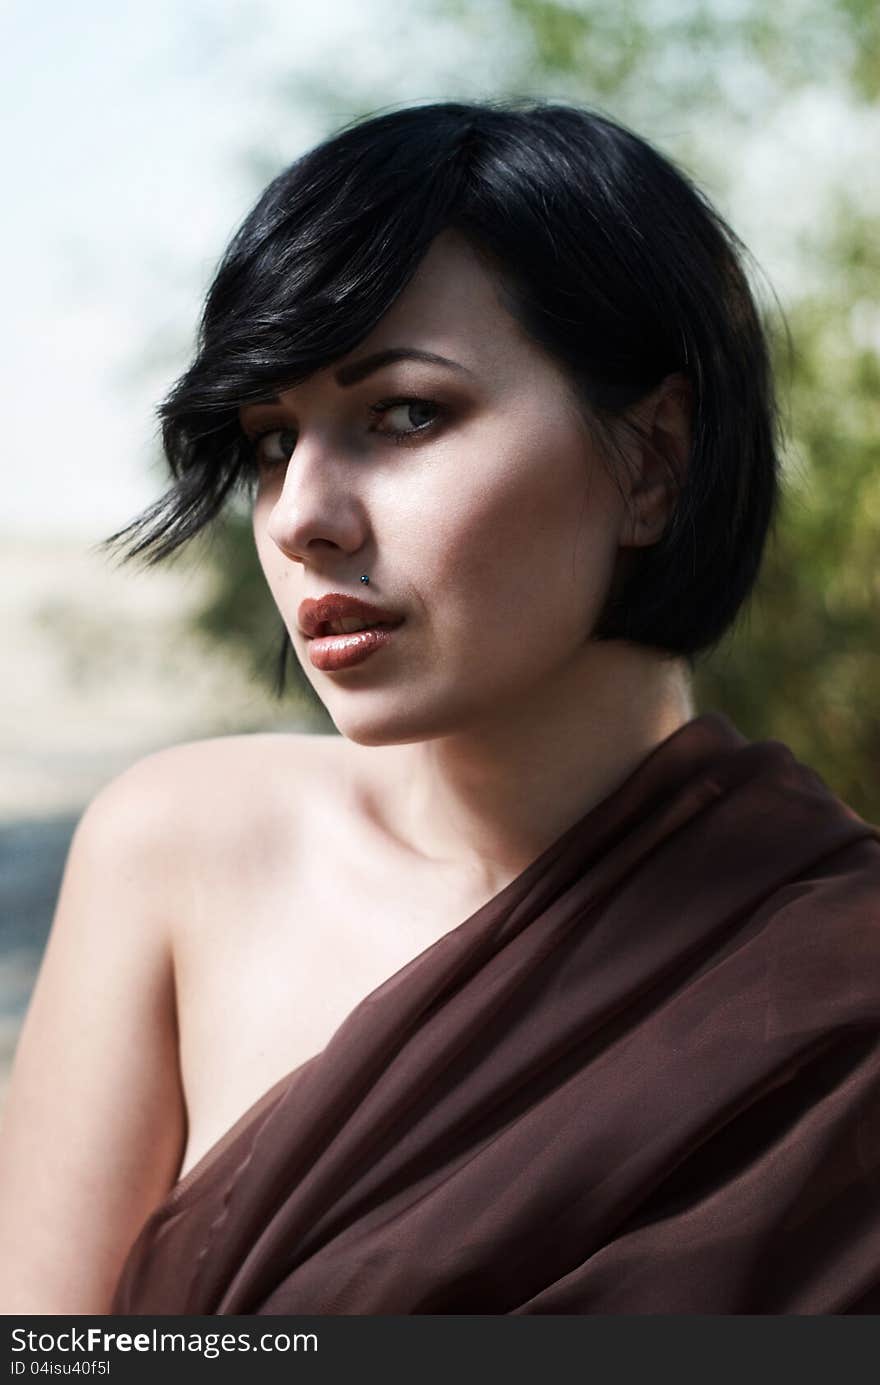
(611, 260)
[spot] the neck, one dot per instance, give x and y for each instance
(486, 800)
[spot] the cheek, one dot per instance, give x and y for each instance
(276, 567)
(263, 546)
(534, 539)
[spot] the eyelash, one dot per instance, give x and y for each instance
(382, 407)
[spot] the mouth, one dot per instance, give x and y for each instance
(333, 652)
(351, 627)
(340, 614)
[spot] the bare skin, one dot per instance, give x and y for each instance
(214, 887)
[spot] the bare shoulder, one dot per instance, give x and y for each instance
(96, 1116)
(255, 763)
(227, 817)
(190, 795)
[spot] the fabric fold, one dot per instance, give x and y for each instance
(640, 1079)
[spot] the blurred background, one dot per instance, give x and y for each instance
(136, 140)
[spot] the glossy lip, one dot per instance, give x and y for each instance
(334, 653)
(336, 606)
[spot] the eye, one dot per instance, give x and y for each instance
(405, 417)
(273, 448)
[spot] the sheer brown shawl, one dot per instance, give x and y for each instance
(644, 1078)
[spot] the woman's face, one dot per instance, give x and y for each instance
(470, 494)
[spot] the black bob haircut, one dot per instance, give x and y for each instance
(607, 255)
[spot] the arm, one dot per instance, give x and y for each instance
(95, 1120)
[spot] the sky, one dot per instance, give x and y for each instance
(128, 134)
(132, 133)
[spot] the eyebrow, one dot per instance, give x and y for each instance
(356, 371)
(359, 370)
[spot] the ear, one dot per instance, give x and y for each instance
(660, 453)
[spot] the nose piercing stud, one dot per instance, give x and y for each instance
(365, 578)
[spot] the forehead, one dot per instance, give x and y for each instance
(452, 305)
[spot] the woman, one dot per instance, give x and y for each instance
(495, 372)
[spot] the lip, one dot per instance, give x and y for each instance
(332, 653)
(336, 606)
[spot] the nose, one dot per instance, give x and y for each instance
(317, 506)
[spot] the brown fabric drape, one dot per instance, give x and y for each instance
(644, 1078)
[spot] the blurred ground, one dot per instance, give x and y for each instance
(99, 670)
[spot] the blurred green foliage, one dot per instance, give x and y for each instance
(803, 662)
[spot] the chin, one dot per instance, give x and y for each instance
(384, 723)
